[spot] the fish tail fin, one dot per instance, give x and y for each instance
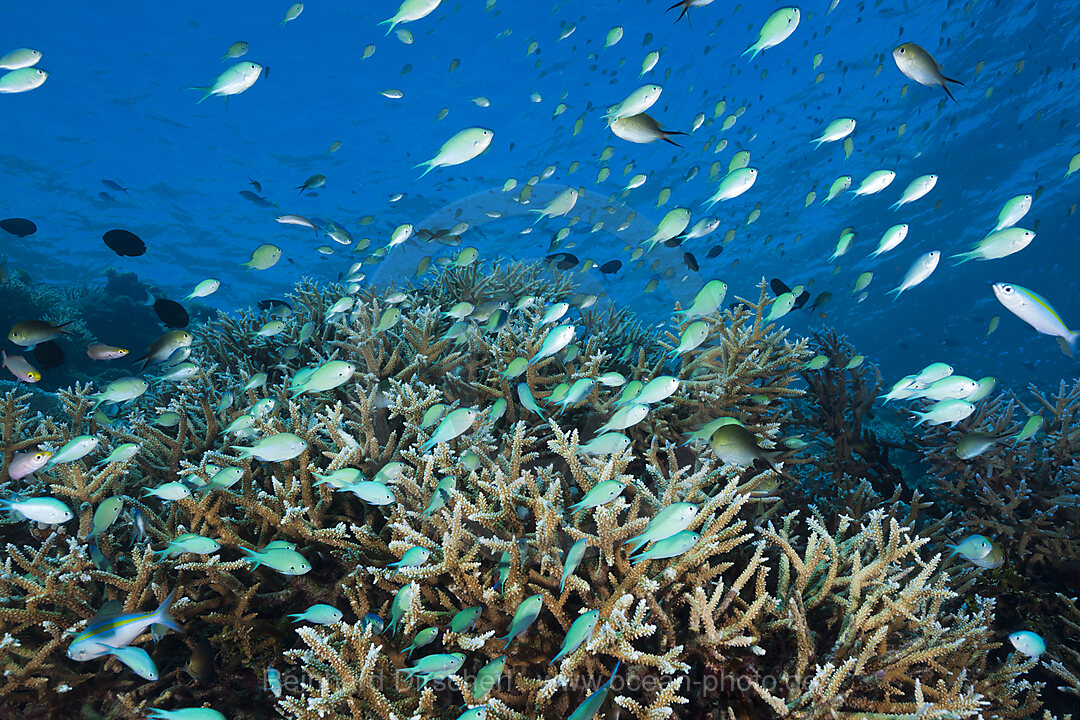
(819, 141)
(964, 258)
(952, 80)
(753, 49)
(948, 92)
(429, 167)
(669, 141)
(205, 89)
(162, 616)
(897, 290)
(393, 24)
(896, 204)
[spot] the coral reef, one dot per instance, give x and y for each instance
(777, 606)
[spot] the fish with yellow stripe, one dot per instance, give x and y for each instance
(1033, 309)
(109, 631)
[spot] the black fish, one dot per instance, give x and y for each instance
(563, 261)
(611, 266)
(675, 241)
(801, 300)
(113, 185)
(260, 201)
(255, 183)
(124, 243)
(690, 260)
(822, 300)
(49, 355)
(172, 313)
(20, 227)
(270, 304)
(778, 287)
(714, 251)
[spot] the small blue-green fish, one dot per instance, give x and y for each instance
(625, 417)
(554, 313)
(854, 362)
(190, 543)
(588, 709)
(413, 557)
(137, 659)
(985, 386)
(781, 306)
(387, 320)
(487, 678)
(169, 491)
(991, 560)
(465, 620)
(580, 631)
(233, 81)
(273, 681)
(443, 492)
(673, 546)
(656, 390)
(373, 621)
(328, 376)
(477, 713)
(1032, 426)
(707, 301)
(974, 444)
(105, 515)
(285, 561)
(185, 714)
(279, 545)
(436, 667)
(454, 424)
(557, 394)
(240, 424)
(108, 631)
(371, 492)
(319, 614)
(629, 392)
(497, 410)
(402, 600)
(122, 390)
(276, 448)
(692, 336)
(672, 519)
(611, 379)
(502, 570)
(122, 453)
(817, 362)
(517, 366)
(576, 393)
(525, 395)
(973, 547)
(75, 449)
(602, 493)
(470, 460)
(433, 415)
(223, 479)
(1028, 643)
(525, 615)
(389, 473)
(39, 509)
(422, 639)
(293, 12)
(255, 382)
(572, 560)
(339, 479)
(707, 430)
(606, 444)
(556, 339)
(945, 411)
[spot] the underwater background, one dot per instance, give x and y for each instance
(798, 561)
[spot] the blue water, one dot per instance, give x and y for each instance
(117, 106)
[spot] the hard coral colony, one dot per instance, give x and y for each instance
(482, 495)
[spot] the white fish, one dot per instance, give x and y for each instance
(411, 11)
(1033, 309)
(892, 237)
(1013, 212)
(559, 206)
(776, 30)
(233, 81)
(836, 130)
(921, 269)
(916, 189)
(462, 147)
(23, 80)
(635, 103)
(19, 59)
(875, 182)
(734, 184)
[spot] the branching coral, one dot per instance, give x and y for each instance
(854, 608)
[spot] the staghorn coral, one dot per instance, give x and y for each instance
(747, 600)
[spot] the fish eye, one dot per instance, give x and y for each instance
(900, 50)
